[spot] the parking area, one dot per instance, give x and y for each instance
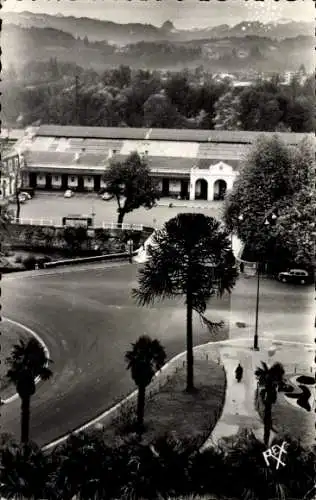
(46, 205)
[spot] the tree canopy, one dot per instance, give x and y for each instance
(130, 183)
(275, 179)
(122, 96)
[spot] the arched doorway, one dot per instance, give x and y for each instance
(220, 188)
(201, 189)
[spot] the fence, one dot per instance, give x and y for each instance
(57, 223)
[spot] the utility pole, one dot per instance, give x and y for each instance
(77, 100)
(255, 342)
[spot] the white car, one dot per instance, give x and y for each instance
(68, 193)
(26, 195)
(23, 198)
(106, 196)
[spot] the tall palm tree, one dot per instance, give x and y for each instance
(145, 358)
(269, 380)
(27, 361)
(190, 256)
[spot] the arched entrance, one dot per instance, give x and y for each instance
(201, 189)
(220, 188)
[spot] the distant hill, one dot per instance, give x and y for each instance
(21, 45)
(97, 30)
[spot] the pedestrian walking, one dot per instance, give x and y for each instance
(239, 372)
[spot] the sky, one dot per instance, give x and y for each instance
(185, 14)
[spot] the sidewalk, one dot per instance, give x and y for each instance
(239, 409)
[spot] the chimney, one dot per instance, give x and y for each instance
(77, 157)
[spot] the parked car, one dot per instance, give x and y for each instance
(26, 195)
(12, 198)
(298, 276)
(23, 197)
(28, 190)
(68, 193)
(106, 196)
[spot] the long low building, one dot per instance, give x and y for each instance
(194, 164)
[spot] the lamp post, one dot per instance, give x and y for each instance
(130, 246)
(256, 337)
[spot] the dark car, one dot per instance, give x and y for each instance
(297, 276)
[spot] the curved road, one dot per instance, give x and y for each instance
(88, 320)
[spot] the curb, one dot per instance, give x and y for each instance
(185, 205)
(38, 338)
(169, 367)
(172, 363)
(64, 269)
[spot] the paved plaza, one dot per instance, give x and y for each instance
(54, 206)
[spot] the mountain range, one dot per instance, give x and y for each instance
(90, 43)
(98, 30)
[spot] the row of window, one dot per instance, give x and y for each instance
(57, 178)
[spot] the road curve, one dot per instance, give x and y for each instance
(87, 319)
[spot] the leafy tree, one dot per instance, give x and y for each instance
(190, 256)
(130, 183)
(23, 471)
(5, 220)
(27, 361)
(300, 115)
(259, 109)
(269, 380)
(275, 178)
(121, 77)
(159, 112)
(145, 358)
(178, 90)
(227, 112)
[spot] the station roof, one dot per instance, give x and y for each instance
(188, 135)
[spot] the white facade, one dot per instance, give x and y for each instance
(211, 180)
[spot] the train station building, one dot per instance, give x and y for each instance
(187, 164)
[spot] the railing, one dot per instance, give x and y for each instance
(58, 223)
(123, 225)
(39, 222)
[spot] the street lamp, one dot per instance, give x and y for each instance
(130, 246)
(273, 217)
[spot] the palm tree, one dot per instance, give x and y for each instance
(190, 256)
(269, 380)
(27, 361)
(24, 471)
(82, 467)
(145, 358)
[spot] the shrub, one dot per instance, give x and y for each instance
(29, 262)
(124, 422)
(42, 260)
(75, 237)
(18, 259)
